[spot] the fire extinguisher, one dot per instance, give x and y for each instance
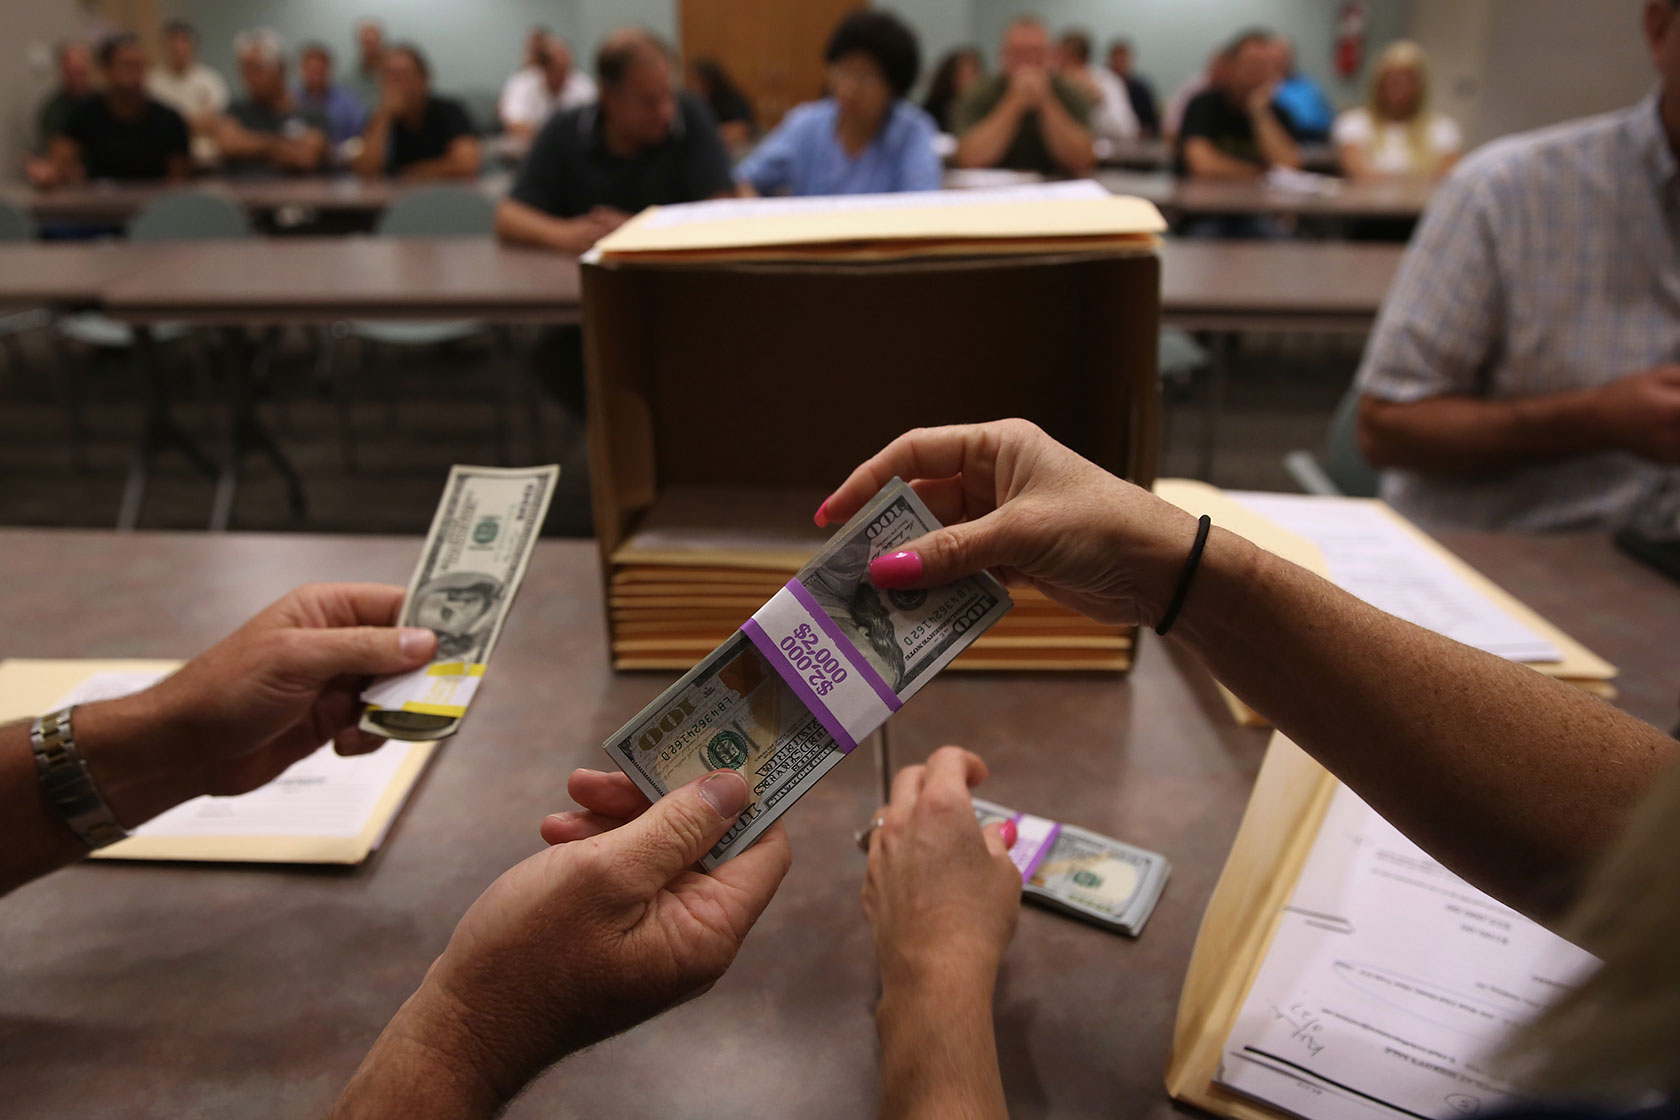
(1351, 22)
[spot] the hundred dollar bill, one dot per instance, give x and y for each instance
(469, 572)
(1081, 872)
(819, 667)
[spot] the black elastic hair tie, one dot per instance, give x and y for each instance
(1203, 524)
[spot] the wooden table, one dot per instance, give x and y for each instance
(1156, 155)
(1191, 198)
(65, 275)
(275, 281)
(200, 991)
(113, 204)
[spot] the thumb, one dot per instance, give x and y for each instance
(946, 555)
(681, 827)
(360, 651)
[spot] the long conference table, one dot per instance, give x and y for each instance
(202, 991)
(362, 200)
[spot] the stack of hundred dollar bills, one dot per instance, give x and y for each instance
(812, 673)
(1081, 872)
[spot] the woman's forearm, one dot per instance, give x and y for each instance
(1513, 779)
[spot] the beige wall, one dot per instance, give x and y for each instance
(1504, 66)
(26, 70)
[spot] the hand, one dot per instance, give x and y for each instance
(941, 895)
(1029, 87)
(42, 173)
(1015, 500)
(1260, 101)
(392, 101)
(603, 931)
(578, 235)
(1641, 413)
(237, 716)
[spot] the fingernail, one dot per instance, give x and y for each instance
(726, 792)
(895, 570)
(1008, 834)
(415, 641)
(821, 517)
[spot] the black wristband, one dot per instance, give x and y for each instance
(1202, 526)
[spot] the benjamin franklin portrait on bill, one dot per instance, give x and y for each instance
(460, 608)
(841, 587)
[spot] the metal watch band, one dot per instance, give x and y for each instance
(67, 783)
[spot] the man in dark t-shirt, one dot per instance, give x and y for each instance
(642, 144)
(75, 85)
(120, 133)
(266, 131)
(1233, 131)
(413, 135)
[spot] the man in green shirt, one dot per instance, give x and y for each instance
(1025, 118)
(75, 85)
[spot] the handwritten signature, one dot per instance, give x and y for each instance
(1304, 1026)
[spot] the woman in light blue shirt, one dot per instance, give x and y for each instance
(864, 138)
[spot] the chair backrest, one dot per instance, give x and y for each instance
(1343, 462)
(15, 224)
(439, 211)
(189, 216)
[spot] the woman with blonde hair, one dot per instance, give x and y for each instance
(1394, 134)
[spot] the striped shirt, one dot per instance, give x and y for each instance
(1547, 262)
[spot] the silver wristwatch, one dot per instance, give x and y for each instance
(67, 783)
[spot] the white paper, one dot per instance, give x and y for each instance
(323, 795)
(1390, 984)
(735, 209)
(1377, 560)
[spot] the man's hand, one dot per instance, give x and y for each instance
(1641, 413)
(1029, 87)
(41, 173)
(578, 235)
(1260, 101)
(237, 716)
(606, 929)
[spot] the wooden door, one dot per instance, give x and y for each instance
(771, 48)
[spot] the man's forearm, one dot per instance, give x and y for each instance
(985, 144)
(1514, 780)
(414, 1071)
(1277, 147)
(939, 1052)
(1205, 161)
(370, 161)
(1468, 435)
(526, 225)
(1068, 140)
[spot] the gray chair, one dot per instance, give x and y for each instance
(16, 225)
(1343, 470)
(441, 211)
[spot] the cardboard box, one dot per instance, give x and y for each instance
(782, 377)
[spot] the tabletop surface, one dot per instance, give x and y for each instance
(1339, 198)
(60, 273)
(1277, 276)
(116, 202)
(345, 276)
(195, 991)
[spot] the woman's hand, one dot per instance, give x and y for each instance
(238, 715)
(606, 929)
(941, 895)
(1015, 500)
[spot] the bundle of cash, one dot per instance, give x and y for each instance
(469, 572)
(1103, 881)
(814, 672)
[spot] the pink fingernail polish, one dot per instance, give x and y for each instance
(1008, 834)
(821, 517)
(895, 570)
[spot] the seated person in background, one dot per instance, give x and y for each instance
(1234, 130)
(1215, 75)
(1111, 109)
(1394, 135)
(412, 134)
(1139, 92)
(535, 93)
(642, 144)
(317, 92)
(1522, 373)
(710, 82)
(266, 130)
(1025, 118)
(75, 85)
(958, 73)
(189, 87)
(1299, 95)
(120, 133)
(369, 78)
(864, 138)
